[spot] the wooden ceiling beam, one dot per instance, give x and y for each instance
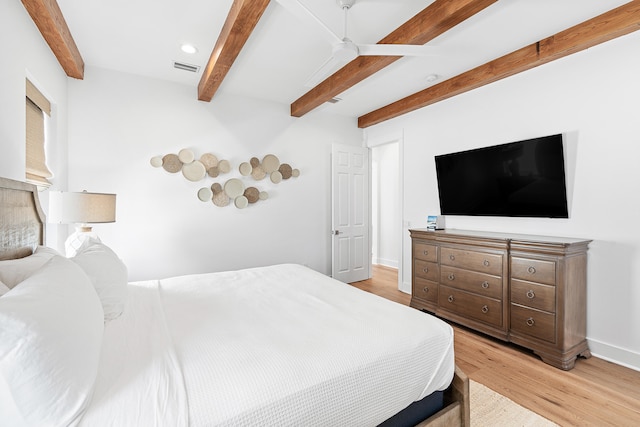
(241, 20)
(47, 16)
(615, 23)
(437, 18)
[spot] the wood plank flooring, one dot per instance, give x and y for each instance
(594, 393)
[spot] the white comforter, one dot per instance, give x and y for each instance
(280, 345)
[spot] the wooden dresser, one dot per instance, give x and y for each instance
(525, 289)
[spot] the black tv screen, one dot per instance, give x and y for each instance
(519, 179)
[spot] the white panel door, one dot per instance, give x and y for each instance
(351, 257)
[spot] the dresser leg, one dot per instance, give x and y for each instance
(586, 354)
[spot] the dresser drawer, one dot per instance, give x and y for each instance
(534, 323)
(479, 283)
(425, 289)
(426, 270)
(469, 305)
(542, 297)
(425, 252)
(533, 270)
(471, 260)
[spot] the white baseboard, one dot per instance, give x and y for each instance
(406, 288)
(617, 355)
(386, 262)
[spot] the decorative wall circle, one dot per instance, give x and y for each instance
(295, 173)
(276, 177)
(209, 160)
(216, 188)
(186, 156)
(263, 195)
(254, 162)
(205, 194)
(258, 173)
(241, 202)
(270, 163)
(234, 188)
(224, 166)
(220, 199)
(213, 172)
(285, 170)
(194, 171)
(245, 169)
(252, 194)
(156, 161)
(171, 163)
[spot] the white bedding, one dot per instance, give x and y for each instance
(280, 345)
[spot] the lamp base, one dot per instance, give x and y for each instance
(77, 239)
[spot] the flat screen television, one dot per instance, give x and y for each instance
(519, 179)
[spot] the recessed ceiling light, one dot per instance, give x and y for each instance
(432, 78)
(188, 48)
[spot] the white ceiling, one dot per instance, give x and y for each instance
(144, 37)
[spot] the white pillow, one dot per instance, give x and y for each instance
(50, 341)
(107, 273)
(3, 289)
(14, 271)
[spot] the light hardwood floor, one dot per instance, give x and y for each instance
(594, 393)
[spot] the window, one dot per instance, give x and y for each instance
(37, 106)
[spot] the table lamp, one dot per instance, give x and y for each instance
(81, 209)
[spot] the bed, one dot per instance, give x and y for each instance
(276, 345)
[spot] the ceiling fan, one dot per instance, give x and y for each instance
(344, 50)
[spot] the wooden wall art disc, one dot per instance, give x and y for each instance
(221, 199)
(252, 194)
(295, 173)
(224, 166)
(194, 171)
(270, 163)
(276, 177)
(285, 170)
(205, 194)
(241, 202)
(209, 160)
(254, 162)
(263, 195)
(216, 188)
(234, 188)
(245, 169)
(171, 163)
(213, 172)
(258, 173)
(186, 156)
(156, 161)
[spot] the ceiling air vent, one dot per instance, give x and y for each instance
(186, 67)
(334, 100)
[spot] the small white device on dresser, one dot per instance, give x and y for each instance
(435, 222)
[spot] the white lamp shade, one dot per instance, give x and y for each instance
(81, 208)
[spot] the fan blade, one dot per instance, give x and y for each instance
(329, 67)
(398, 50)
(305, 15)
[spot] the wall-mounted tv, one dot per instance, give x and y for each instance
(519, 179)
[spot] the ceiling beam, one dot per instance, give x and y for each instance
(241, 20)
(47, 16)
(440, 16)
(615, 23)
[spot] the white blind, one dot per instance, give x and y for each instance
(37, 105)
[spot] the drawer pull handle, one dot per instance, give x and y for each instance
(425, 252)
(530, 321)
(485, 285)
(426, 270)
(485, 309)
(531, 270)
(531, 294)
(425, 289)
(451, 276)
(450, 298)
(452, 257)
(485, 263)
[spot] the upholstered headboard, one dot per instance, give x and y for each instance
(22, 221)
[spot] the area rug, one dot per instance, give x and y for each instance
(490, 409)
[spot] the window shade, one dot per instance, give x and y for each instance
(37, 171)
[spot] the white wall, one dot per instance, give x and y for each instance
(386, 204)
(592, 98)
(119, 121)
